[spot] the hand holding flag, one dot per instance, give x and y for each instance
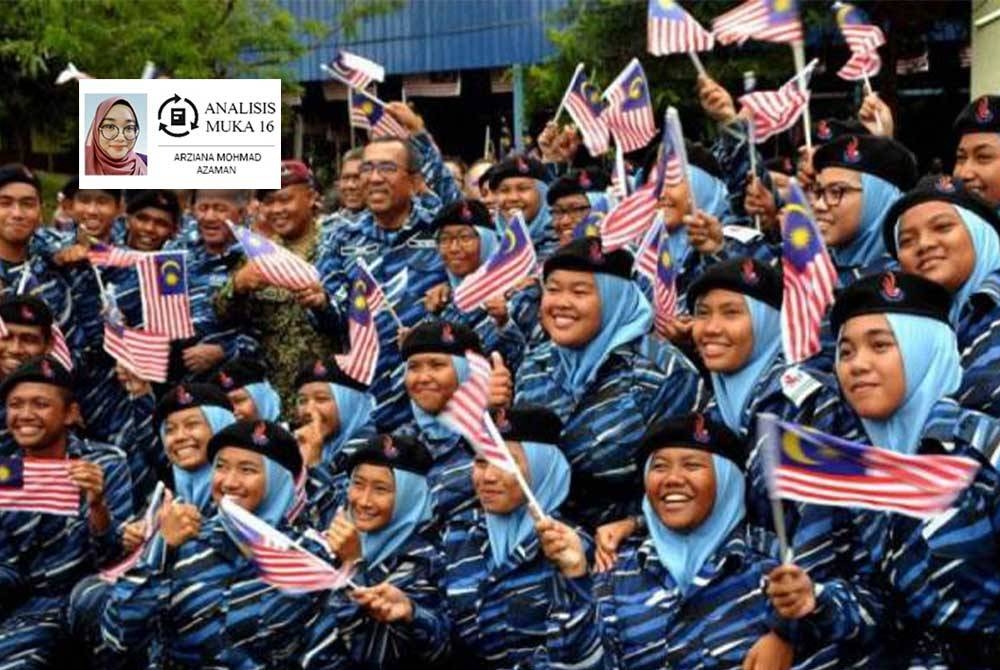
(629, 115)
(774, 112)
(513, 260)
(279, 266)
(39, 485)
(150, 525)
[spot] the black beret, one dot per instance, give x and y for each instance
(940, 188)
(326, 370)
(440, 337)
(239, 372)
(586, 255)
(186, 396)
(893, 293)
(742, 275)
(160, 199)
(528, 423)
(693, 431)
(13, 173)
(982, 115)
(516, 165)
(263, 437)
(827, 130)
(879, 156)
(393, 451)
(782, 164)
(578, 182)
(464, 213)
(26, 310)
(72, 187)
(40, 369)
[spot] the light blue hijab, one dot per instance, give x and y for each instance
(548, 477)
(684, 554)
(932, 371)
(625, 316)
(279, 494)
(733, 390)
(877, 196)
(428, 423)
(195, 486)
(710, 196)
(411, 507)
(354, 408)
(986, 244)
(540, 228)
(265, 399)
(488, 243)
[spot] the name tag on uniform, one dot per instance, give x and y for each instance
(359, 250)
(743, 234)
(421, 243)
(797, 385)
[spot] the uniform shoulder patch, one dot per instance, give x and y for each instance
(798, 385)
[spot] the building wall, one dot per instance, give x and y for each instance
(985, 47)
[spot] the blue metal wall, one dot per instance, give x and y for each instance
(436, 35)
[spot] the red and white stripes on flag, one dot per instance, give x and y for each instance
(359, 363)
(671, 30)
(466, 412)
(144, 354)
(112, 256)
(586, 106)
(862, 65)
(774, 112)
(863, 38)
(279, 266)
(281, 562)
(433, 85)
(513, 260)
(629, 115)
(629, 219)
(161, 496)
(60, 350)
(759, 20)
(163, 285)
(45, 488)
(354, 70)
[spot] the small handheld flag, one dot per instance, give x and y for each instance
(764, 20)
(354, 70)
(369, 112)
(513, 260)
(144, 354)
(629, 115)
(586, 106)
(161, 496)
(40, 485)
(100, 253)
(629, 219)
(365, 297)
(777, 111)
(863, 38)
(671, 30)
(279, 266)
(163, 284)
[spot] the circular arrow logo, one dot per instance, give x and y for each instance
(177, 117)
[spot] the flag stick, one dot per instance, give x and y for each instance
(769, 443)
(870, 91)
(486, 143)
(799, 55)
(753, 165)
(536, 510)
(696, 61)
(620, 169)
(562, 103)
(385, 302)
(101, 287)
(22, 282)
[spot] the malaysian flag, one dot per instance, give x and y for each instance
(466, 413)
(282, 563)
(776, 111)
(765, 20)
(629, 115)
(862, 64)
(301, 496)
(359, 362)
(809, 278)
(585, 104)
(589, 227)
(433, 85)
(161, 496)
(40, 485)
(144, 354)
(163, 285)
(60, 350)
(279, 266)
(354, 70)
(671, 167)
(369, 113)
(807, 465)
(654, 261)
(513, 260)
(112, 256)
(671, 30)
(863, 38)
(630, 219)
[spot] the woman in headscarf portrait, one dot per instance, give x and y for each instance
(111, 140)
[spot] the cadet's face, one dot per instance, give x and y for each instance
(838, 223)
(723, 330)
(870, 367)
(239, 474)
(371, 497)
(20, 344)
(567, 213)
(185, 439)
(519, 193)
(349, 185)
(122, 118)
(430, 381)
(20, 212)
(316, 397)
(977, 163)
(149, 229)
(289, 212)
(459, 249)
(498, 490)
(934, 243)
(680, 486)
(212, 212)
(675, 203)
(244, 408)
(571, 308)
(95, 211)
(385, 178)
(38, 415)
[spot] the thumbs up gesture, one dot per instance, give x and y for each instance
(501, 382)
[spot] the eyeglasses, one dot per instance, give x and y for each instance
(569, 211)
(385, 168)
(109, 131)
(465, 240)
(832, 194)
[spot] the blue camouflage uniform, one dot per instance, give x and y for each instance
(450, 478)
(42, 556)
(732, 150)
(978, 331)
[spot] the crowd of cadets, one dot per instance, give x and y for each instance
(657, 544)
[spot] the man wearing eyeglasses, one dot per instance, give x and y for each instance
(405, 183)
